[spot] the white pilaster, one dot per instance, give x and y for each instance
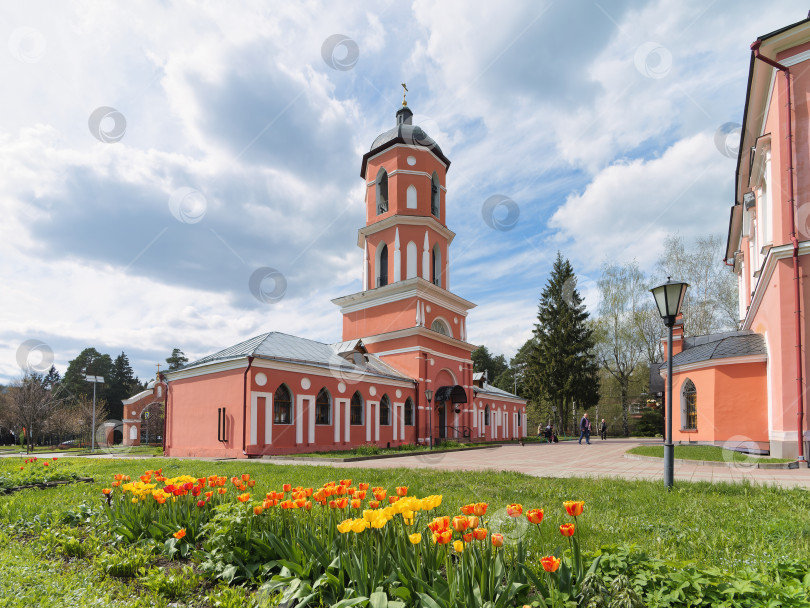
(347, 408)
(377, 421)
(299, 419)
(426, 258)
(336, 419)
(397, 258)
(311, 420)
(365, 265)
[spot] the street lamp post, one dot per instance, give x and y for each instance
(429, 397)
(668, 298)
(95, 380)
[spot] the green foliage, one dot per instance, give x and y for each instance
(651, 423)
(17, 472)
(125, 562)
(493, 365)
(172, 584)
(709, 453)
(177, 359)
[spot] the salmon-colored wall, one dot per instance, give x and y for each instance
(191, 415)
(407, 233)
(731, 403)
(393, 316)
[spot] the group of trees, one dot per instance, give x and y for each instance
(574, 362)
(48, 408)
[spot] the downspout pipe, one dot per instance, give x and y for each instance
(244, 406)
(795, 242)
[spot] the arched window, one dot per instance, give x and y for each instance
(282, 406)
(486, 416)
(382, 265)
(435, 195)
(323, 408)
(356, 415)
(410, 263)
(385, 410)
(436, 275)
(382, 192)
(408, 412)
(410, 197)
(440, 326)
(689, 405)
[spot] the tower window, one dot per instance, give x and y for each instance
(689, 405)
(382, 270)
(440, 326)
(436, 265)
(435, 195)
(382, 192)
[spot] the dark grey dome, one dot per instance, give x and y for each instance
(409, 134)
(403, 133)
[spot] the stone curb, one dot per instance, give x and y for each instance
(713, 463)
(378, 457)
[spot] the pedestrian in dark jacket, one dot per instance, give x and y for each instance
(603, 429)
(585, 429)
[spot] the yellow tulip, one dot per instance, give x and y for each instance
(458, 546)
(415, 538)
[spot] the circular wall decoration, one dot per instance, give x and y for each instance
(399, 394)
(411, 161)
(341, 387)
(260, 379)
(305, 383)
(372, 390)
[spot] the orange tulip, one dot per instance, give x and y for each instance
(373, 504)
(468, 509)
(497, 540)
(258, 510)
(444, 537)
(106, 491)
(362, 486)
(550, 563)
(402, 490)
(460, 523)
(286, 487)
(180, 533)
(468, 537)
(567, 529)
(361, 494)
(245, 476)
(356, 503)
(535, 516)
(473, 521)
(480, 533)
(308, 505)
(243, 497)
(480, 508)
(392, 499)
(251, 483)
(222, 490)
(514, 510)
(574, 507)
(346, 482)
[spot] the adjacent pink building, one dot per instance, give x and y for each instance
(405, 333)
(748, 388)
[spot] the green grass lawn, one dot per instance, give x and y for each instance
(730, 526)
(704, 452)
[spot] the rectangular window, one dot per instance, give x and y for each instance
(282, 413)
(356, 418)
(322, 413)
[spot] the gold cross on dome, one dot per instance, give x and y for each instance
(405, 87)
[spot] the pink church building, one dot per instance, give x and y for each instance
(403, 372)
(747, 389)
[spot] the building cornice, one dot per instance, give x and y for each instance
(774, 255)
(422, 332)
(404, 220)
(688, 367)
(416, 287)
(420, 349)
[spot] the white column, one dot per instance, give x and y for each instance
(523, 419)
(377, 421)
(418, 314)
(336, 419)
(402, 422)
(474, 416)
(455, 423)
(347, 408)
(254, 418)
(426, 258)
(299, 420)
(394, 421)
(397, 258)
(369, 409)
(268, 418)
(311, 421)
(365, 265)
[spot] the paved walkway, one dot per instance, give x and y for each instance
(569, 459)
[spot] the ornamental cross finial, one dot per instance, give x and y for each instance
(405, 87)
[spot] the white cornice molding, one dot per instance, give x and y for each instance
(409, 147)
(774, 256)
(688, 367)
(421, 332)
(416, 287)
(207, 368)
(421, 349)
(404, 220)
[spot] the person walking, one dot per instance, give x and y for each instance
(603, 430)
(585, 429)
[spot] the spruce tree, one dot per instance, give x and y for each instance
(562, 368)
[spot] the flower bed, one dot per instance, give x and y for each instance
(348, 544)
(36, 472)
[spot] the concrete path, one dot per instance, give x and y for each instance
(569, 459)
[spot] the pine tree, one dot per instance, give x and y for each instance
(562, 368)
(177, 359)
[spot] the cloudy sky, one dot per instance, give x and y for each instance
(186, 174)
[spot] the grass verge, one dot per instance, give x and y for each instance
(707, 453)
